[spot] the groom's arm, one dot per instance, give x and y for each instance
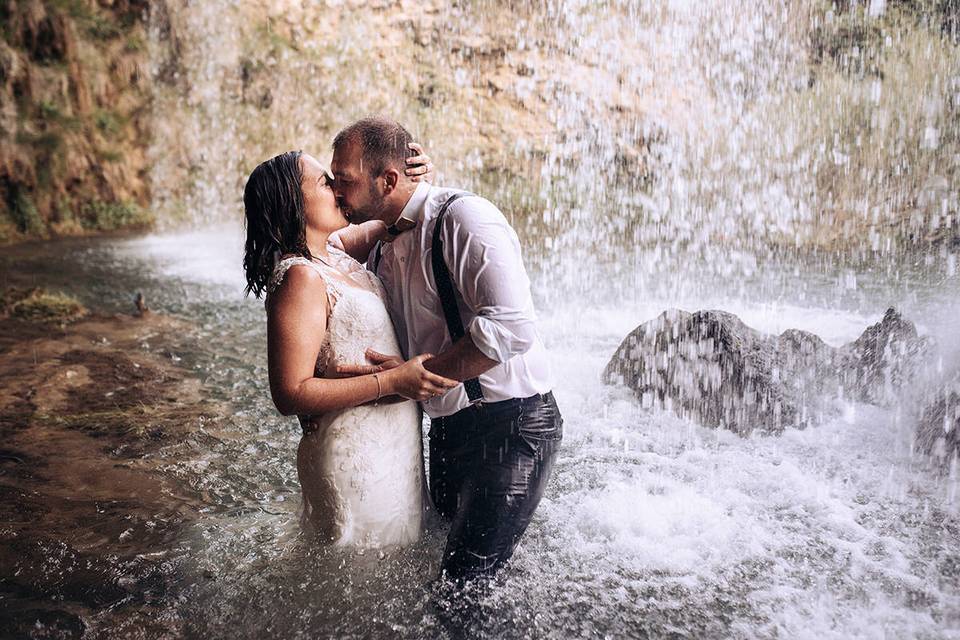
(358, 240)
(483, 255)
(462, 361)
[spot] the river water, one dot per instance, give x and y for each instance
(651, 526)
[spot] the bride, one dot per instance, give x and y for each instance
(359, 461)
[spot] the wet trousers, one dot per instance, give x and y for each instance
(489, 466)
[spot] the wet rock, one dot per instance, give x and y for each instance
(938, 424)
(887, 355)
(711, 367)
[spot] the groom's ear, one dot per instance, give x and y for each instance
(391, 178)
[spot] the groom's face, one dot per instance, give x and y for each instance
(355, 189)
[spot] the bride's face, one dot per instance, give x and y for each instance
(319, 203)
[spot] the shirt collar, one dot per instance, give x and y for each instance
(413, 210)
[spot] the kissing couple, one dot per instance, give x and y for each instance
(383, 291)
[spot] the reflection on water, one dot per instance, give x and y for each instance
(651, 525)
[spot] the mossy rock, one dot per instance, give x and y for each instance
(39, 305)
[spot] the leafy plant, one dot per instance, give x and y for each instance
(109, 216)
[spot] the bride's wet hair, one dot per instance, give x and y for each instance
(274, 209)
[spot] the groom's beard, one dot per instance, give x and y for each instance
(359, 216)
(373, 210)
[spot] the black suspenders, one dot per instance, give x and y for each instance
(447, 293)
(445, 289)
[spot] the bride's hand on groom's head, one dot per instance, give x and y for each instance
(419, 167)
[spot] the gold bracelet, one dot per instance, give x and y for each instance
(379, 388)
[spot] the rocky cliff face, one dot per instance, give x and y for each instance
(74, 116)
(506, 96)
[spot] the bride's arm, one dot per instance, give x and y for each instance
(358, 240)
(296, 325)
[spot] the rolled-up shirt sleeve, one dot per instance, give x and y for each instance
(482, 252)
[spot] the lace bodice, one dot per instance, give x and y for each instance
(357, 318)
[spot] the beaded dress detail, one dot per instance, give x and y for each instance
(361, 469)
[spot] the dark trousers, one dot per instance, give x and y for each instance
(489, 466)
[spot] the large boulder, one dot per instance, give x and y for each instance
(711, 367)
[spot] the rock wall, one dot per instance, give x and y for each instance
(74, 116)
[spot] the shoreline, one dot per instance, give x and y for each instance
(86, 411)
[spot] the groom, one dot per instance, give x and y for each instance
(456, 287)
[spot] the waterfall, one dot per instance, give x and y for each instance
(636, 137)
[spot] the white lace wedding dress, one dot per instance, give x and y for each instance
(361, 469)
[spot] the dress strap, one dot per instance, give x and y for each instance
(280, 271)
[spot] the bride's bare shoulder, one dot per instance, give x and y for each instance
(296, 284)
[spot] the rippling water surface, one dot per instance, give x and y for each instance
(651, 526)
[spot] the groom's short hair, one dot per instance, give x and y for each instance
(383, 143)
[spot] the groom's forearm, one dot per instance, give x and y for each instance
(462, 361)
(358, 240)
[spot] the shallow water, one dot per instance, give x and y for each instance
(651, 526)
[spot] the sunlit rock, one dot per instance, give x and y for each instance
(711, 367)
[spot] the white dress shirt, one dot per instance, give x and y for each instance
(482, 252)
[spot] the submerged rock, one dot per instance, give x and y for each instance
(711, 367)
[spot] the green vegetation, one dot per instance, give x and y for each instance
(109, 216)
(51, 114)
(93, 23)
(102, 29)
(39, 305)
(50, 189)
(109, 155)
(135, 44)
(107, 122)
(76, 9)
(25, 215)
(47, 142)
(882, 105)
(859, 43)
